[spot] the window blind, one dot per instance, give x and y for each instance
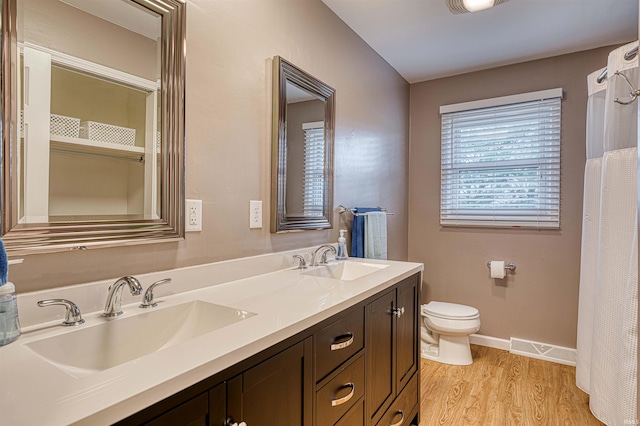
(313, 198)
(501, 165)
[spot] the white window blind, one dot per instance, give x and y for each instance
(313, 199)
(501, 163)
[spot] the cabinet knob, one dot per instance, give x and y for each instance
(401, 419)
(398, 311)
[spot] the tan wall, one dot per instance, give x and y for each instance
(540, 300)
(228, 114)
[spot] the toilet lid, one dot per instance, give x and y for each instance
(449, 310)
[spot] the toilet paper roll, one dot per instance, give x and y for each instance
(497, 269)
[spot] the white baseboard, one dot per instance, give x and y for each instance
(543, 351)
(490, 342)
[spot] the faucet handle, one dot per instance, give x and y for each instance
(148, 298)
(323, 258)
(72, 315)
(302, 264)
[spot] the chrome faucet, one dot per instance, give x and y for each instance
(114, 297)
(323, 249)
(148, 300)
(72, 315)
(301, 262)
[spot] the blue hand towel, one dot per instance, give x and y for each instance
(4, 265)
(375, 235)
(357, 230)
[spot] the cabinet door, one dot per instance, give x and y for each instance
(407, 332)
(380, 325)
(218, 405)
(276, 392)
(191, 413)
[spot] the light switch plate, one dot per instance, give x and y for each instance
(193, 215)
(255, 214)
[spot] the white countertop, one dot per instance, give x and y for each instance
(35, 392)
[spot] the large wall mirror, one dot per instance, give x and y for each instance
(92, 123)
(302, 154)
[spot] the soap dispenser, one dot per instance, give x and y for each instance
(9, 322)
(342, 247)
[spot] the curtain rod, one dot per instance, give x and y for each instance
(627, 56)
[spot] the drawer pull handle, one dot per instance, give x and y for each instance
(401, 419)
(340, 401)
(342, 345)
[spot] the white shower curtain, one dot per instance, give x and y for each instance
(608, 303)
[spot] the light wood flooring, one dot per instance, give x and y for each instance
(499, 389)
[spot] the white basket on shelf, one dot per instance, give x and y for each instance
(109, 133)
(64, 126)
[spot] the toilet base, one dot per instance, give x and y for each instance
(454, 350)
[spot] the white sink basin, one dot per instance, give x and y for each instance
(88, 350)
(345, 271)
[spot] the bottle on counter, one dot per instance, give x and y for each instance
(9, 322)
(341, 254)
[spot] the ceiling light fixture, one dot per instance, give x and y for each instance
(464, 6)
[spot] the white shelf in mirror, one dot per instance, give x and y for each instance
(95, 147)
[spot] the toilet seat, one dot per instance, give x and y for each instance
(452, 311)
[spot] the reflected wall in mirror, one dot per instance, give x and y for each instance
(93, 91)
(303, 132)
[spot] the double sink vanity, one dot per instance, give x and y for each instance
(252, 340)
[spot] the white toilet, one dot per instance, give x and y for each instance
(445, 332)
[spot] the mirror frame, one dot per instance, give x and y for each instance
(21, 239)
(284, 72)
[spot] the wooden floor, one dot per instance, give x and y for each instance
(502, 389)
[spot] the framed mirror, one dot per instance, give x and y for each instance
(92, 123)
(302, 150)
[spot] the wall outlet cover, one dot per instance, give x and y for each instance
(255, 214)
(193, 215)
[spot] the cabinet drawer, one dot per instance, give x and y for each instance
(337, 342)
(355, 416)
(398, 414)
(335, 398)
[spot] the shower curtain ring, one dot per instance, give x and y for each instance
(633, 94)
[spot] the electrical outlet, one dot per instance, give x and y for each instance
(193, 220)
(255, 214)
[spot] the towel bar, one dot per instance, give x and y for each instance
(353, 211)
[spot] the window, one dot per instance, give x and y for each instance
(501, 162)
(313, 199)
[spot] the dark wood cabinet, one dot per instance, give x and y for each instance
(379, 355)
(408, 332)
(359, 367)
(340, 392)
(392, 324)
(194, 412)
(276, 392)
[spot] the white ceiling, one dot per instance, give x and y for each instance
(422, 40)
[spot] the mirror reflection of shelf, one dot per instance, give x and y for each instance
(78, 117)
(88, 146)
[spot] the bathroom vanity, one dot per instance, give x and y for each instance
(335, 345)
(325, 375)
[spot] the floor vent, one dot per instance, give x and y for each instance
(543, 351)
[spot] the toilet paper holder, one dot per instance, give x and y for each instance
(509, 266)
